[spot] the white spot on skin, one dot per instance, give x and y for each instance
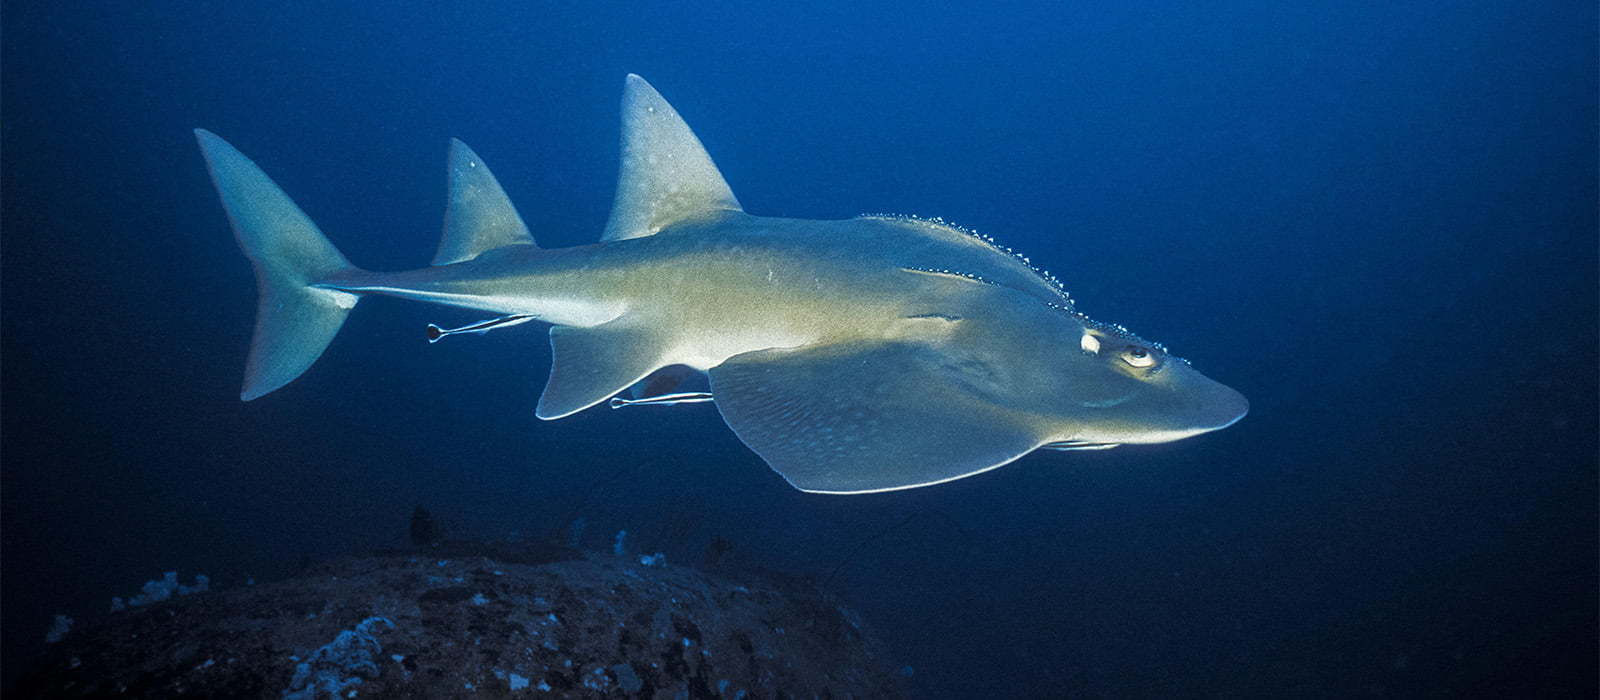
(1090, 343)
(1107, 403)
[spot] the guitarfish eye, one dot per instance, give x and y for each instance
(1138, 356)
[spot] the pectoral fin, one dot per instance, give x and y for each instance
(866, 417)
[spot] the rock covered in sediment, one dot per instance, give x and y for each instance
(477, 620)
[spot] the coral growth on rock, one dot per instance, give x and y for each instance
(460, 619)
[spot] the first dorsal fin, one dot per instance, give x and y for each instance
(666, 174)
(479, 216)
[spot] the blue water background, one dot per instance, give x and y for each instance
(1376, 220)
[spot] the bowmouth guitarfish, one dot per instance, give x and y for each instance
(855, 356)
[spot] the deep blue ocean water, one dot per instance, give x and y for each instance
(1376, 220)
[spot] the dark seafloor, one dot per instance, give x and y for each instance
(477, 620)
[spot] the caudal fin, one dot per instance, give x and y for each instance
(295, 320)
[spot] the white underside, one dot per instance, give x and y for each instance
(562, 311)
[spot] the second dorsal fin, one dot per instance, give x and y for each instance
(479, 216)
(666, 175)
